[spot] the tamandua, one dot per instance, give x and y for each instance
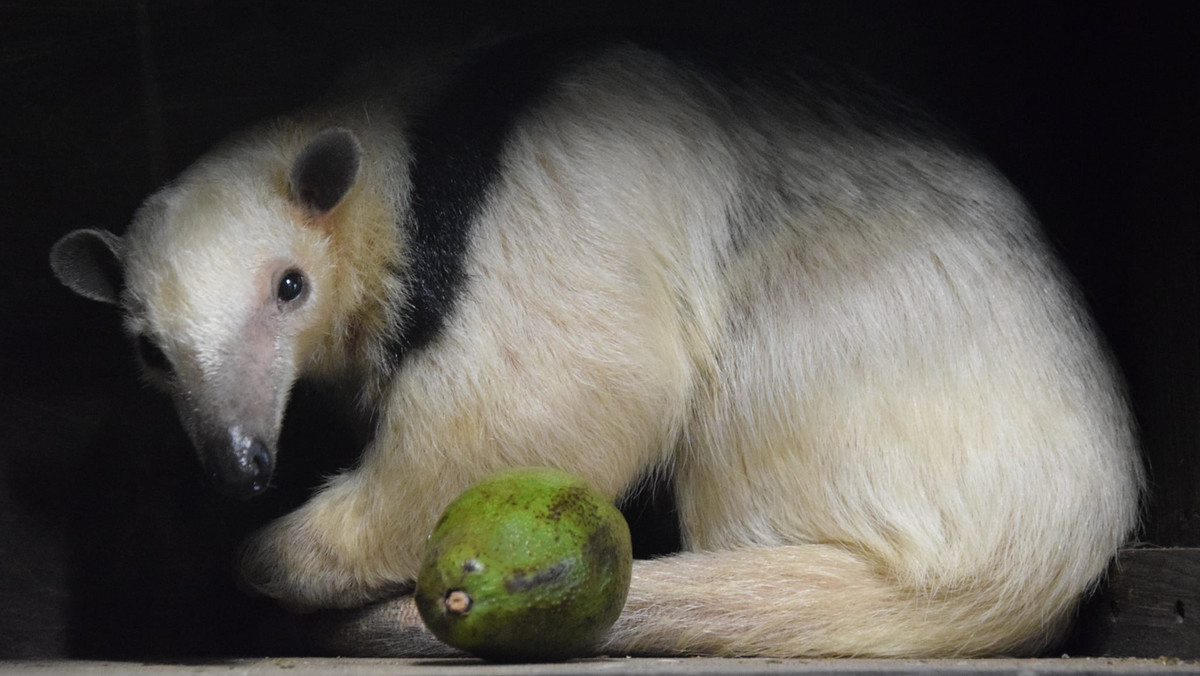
(889, 424)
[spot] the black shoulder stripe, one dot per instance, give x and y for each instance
(457, 145)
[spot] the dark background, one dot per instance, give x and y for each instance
(111, 546)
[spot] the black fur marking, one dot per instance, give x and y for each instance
(458, 146)
(326, 169)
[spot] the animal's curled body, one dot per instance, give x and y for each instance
(889, 424)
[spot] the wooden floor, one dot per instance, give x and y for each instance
(1149, 607)
(612, 666)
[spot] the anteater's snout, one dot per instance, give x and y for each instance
(259, 469)
(242, 470)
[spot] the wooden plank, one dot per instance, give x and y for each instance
(685, 666)
(1149, 607)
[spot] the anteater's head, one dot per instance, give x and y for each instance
(227, 280)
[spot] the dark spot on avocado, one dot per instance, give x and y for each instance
(521, 581)
(600, 543)
(568, 501)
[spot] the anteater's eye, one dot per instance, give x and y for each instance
(153, 356)
(291, 287)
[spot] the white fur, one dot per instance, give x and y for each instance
(890, 426)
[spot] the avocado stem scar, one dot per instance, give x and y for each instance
(457, 602)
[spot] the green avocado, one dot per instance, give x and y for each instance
(527, 565)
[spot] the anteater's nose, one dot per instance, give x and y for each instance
(244, 472)
(260, 464)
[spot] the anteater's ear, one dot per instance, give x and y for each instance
(325, 170)
(88, 262)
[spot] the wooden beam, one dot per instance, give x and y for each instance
(1149, 607)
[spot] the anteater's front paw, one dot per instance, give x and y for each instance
(305, 566)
